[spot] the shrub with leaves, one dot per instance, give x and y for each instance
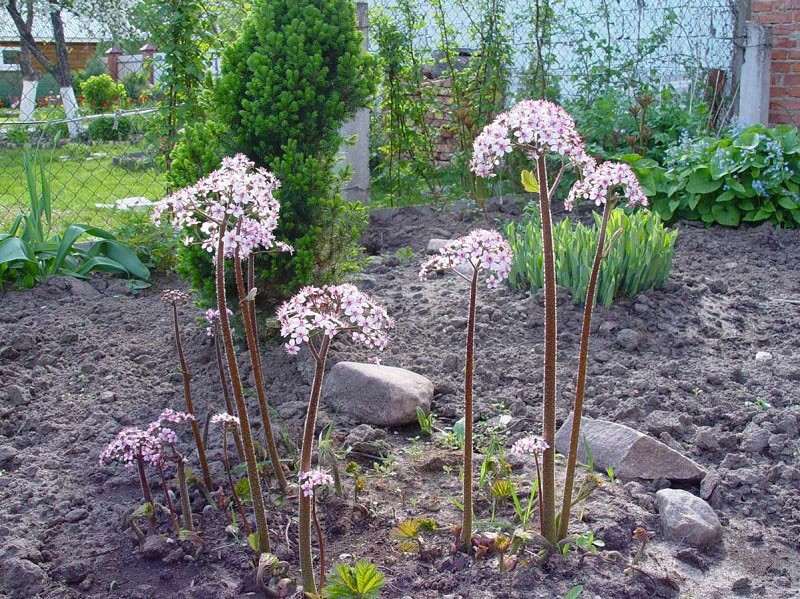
(101, 92)
(296, 73)
(641, 257)
(747, 175)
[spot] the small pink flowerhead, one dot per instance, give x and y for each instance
(175, 297)
(606, 179)
(235, 202)
(131, 444)
(331, 310)
(312, 479)
(212, 318)
(225, 419)
(538, 128)
(170, 415)
(481, 249)
(528, 446)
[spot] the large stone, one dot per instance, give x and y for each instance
(630, 453)
(23, 578)
(687, 519)
(377, 395)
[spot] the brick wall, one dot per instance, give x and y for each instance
(784, 18)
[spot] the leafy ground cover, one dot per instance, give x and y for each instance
(692, 380)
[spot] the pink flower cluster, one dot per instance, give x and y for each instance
(539, 128)
(529, 445)
(607, 178)
(225, 419)
(330, 310)
(212, 318)
(235, 201)
(312, 479)
(480, 249)
(132, 443)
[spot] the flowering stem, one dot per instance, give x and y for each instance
(172, 513)
(539, 494)
(241, 407)
(184, 489)
(229, 407)
(146, 492)
(236, 499)
(187, 395)
(306, 559)
(320, 540)
(577, 409)
(469, 372)
(548, 482)
(248, 315)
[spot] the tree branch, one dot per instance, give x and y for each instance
(26, 37)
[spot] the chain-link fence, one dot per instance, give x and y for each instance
(104, 141)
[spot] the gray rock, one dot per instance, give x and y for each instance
(435, 245)
(69, 337)
(630, 453)
(687, 519)
(76, 515)
(9, 353)
(23, 578)
(80, 288)
(107, 396)
(377, 395)
(366, 439)
(17, 396)
(755, 438)
(763, 356)
(629, 339)
(156, 547)
(71, 572)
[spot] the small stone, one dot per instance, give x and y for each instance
(608, 327)
(174, 556)
(763, 356)
(71, 572)
(629, 339)
(741, 585)
(366, 439)
(107, 396)
(8, 453)
(693, 557)
(155, 547)
(9, 353)
(755, 438)
(17, 396)
(88, 368)
(76, 515)
(450, 364)
(24, 342)
(69, 337)
(688, 519)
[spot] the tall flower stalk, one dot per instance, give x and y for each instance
(315, 316)
(603, 186)
(541, 129)
(175, 298)
(475, 252)
(235, 214)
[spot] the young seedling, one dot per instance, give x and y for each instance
(174, 298)
(467, 257)
(234, 213)
(425, 421)
(408, 534)
(315, 316)
(326, 455)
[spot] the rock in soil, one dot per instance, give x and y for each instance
(687, 519)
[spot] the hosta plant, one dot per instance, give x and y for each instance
(541, 130)
(640, 259)
(314, 317)
(468, 257)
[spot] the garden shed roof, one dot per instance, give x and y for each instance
(77, 29)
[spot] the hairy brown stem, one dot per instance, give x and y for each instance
(184, 489)
(548, 483)
(539, 494)
(147, 494)
(187, 395)
(320, 540)
(241, 407)
(229, 407)
(306, 559)
(172, 513)
(248, 315)
(469, 373)
(577, 409)
(236, 499)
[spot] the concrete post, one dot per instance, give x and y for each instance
(357, 155)
(112, 59)
(756, 71)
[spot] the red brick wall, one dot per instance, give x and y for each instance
(784, 18)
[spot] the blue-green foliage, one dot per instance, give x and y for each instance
(641, 257)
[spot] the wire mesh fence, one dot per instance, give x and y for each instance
(105, 148)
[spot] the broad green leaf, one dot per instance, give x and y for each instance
(726, 214)
(787, 203)
(726, 196)
(748, 140)
(529, 182)
(13, 249)
(701, 182)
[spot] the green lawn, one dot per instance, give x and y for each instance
(81, 176)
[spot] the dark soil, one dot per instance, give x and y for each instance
(80, 361)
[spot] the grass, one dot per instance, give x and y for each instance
(81, 176)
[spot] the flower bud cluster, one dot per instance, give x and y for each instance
(225, 419)
(539, 128)
(330, 310)
(235, 201)
(528, 446)
(607, 178)
(212, 318)
(480, 249)
(149, 444)
(175, 296)
(312, 479)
